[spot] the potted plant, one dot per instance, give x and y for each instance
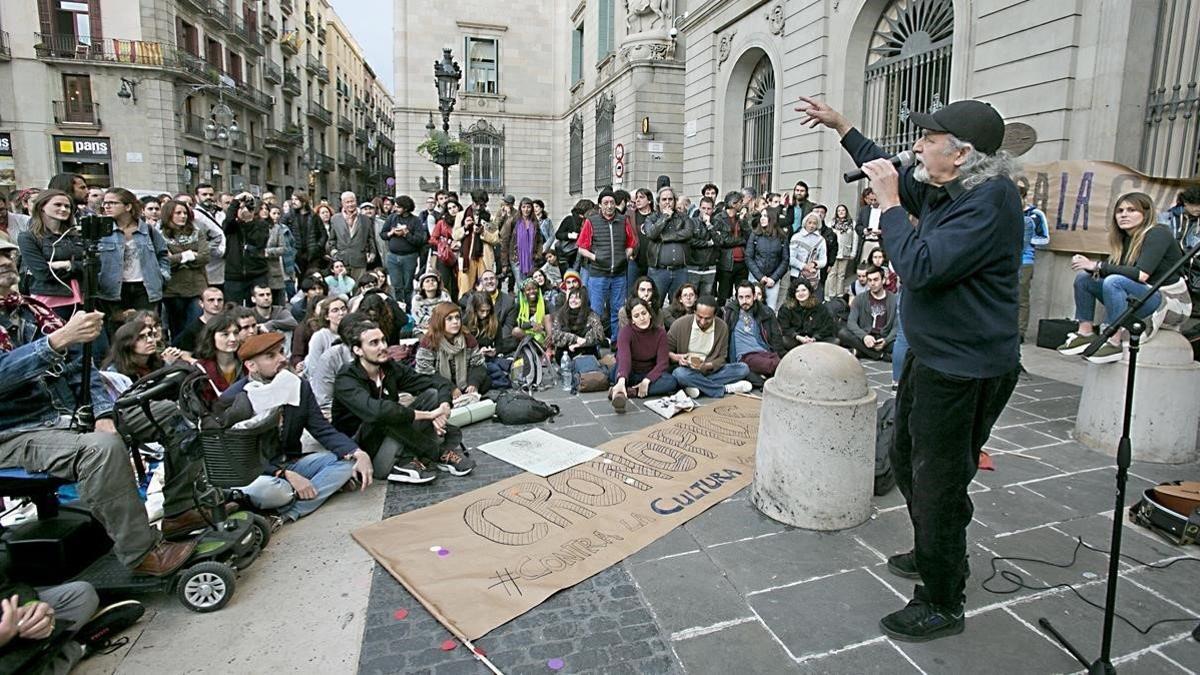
(443, 150)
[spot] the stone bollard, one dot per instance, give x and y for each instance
(1165, 408)
(815, 463)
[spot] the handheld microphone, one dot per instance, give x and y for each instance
(901, 160)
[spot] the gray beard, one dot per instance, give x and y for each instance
(920, 173)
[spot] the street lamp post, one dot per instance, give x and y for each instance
(446, 74)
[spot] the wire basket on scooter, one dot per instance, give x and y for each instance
(234, 457)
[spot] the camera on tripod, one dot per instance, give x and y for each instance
(95, 228)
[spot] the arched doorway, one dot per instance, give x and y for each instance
(907, 69)
(758, 127)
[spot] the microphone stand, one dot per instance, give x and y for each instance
(85, 419)
(1137, 327)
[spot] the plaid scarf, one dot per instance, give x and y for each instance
(47, 320)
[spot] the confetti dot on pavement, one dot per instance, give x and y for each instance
(401, 614)
(555, 664)
(449, 645)
(442, 553)
(479, 651)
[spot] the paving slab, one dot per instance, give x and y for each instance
(731, 520)
(880, 657)
(1016, 508)
(688, 592)
(744, 648)
(832, 613)
(787, 557)
(961, 654)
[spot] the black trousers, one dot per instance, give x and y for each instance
(942, 422)
(419, 439)
(726, 280)
(848, 339)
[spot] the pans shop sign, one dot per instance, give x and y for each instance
(83, 149)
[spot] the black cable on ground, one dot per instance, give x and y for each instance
(1018, 581)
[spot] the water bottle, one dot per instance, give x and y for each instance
(564, 371)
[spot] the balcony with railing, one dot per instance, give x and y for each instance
(252, 97)
(77, 114)
(323, 74)
(193, 125)
(5, 51)
(311, 64)
(218, 13)
(269, 30)
(321, 34)
(348, 160)
(360, 135)
(285, 6)
(322, 162)
(320, 113)
(289, 42)
(291, 84)
(273, 72)
(246, 31)
(310, 21)
(290, 136)
(345, 123)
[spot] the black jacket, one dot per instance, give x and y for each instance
(360, 407)
(245, 246)
(310, 237)
(564, 245)
(667, 239)
(504, 307)
(959, 265)
(768, 325)
(411, 243)
(702, 253)
(814, 322)
(767, 256)
(297, 419)
(728, 240)
(831, 247)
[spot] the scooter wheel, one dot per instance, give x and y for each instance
(206, 586)
(262, 530)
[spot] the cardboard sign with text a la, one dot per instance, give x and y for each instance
(483, 558)
(1078, 198)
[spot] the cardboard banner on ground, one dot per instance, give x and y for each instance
(484, 558)
(1078, 198)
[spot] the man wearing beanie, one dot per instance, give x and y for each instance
(294, 483)
(960, 269)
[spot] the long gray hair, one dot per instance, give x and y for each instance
(979, 168)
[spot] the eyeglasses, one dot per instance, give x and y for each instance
(148, 337)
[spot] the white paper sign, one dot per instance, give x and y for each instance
(689, 129)
(133, 157)
(540, 452)
(655, 146)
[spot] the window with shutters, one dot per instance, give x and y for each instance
(485, 170)
(577, 54)
(605, 42)
(606, 109)
(576, 178)
(483, 65)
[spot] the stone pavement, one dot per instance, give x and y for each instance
(733, 591)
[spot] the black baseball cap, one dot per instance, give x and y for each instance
(969, 120)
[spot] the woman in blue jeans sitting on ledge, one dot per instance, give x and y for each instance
(1141, 252)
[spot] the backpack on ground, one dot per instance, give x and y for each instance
(885, 438)
(528, 366)
(517, 407)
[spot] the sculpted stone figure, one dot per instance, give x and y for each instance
(646, 15)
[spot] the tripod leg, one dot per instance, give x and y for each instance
(1045, 624)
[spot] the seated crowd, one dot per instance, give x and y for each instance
(372, 321)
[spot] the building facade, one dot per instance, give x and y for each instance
(595, 92)
(160, 95)
(556, 101)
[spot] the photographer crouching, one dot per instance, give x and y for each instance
(40, 369)
(960, 269)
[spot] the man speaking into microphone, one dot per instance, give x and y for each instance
(960, 268)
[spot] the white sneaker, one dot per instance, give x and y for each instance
(739, 387)
(692, 392)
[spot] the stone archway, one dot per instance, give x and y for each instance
(750, 122)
